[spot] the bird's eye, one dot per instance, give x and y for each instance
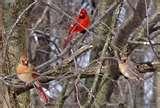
(81, 16)
(124, 60)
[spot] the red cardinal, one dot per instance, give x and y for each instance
(27, 74)
(82, 22)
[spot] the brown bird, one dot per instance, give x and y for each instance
(27, 73)
(129, 69)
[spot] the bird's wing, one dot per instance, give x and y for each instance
(35, 75)
(133, 70)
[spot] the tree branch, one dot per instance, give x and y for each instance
(131, 24)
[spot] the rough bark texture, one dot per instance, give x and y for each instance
(21, 34)
(1, 23)
(1, 32)
(4, 101)
(106, 85)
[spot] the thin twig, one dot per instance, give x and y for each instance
(20, 16)
(111, 8)
(142, 42)
(63, 12)
(148, 36)
(4, 98)
(37, 24)
(109, 28)
(9, 34)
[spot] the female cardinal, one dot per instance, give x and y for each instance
(27, 74)
(82, 22)
(129, 69)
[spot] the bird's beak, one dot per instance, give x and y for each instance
(25, 62)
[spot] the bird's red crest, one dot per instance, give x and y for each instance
(83, 12)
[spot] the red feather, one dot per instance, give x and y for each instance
(82, 22)
(41, 92)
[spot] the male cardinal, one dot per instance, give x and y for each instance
(82, 22)
(27, 74)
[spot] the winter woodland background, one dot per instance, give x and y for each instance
(85, 73)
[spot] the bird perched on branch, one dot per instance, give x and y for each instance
(27, 74)
(129, 69)
(81, 23)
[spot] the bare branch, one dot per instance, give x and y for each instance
(130, 25)
(20, 16)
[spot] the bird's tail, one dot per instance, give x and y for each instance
(67, 40)
(44, 98)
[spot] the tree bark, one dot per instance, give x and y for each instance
(1, 32)
(22, 34)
